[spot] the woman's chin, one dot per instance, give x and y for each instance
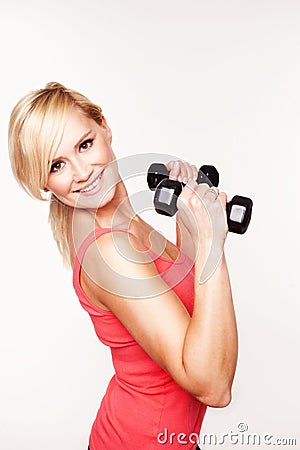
(95, 201)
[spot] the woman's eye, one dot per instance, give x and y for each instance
(58, 165)
(85, 145)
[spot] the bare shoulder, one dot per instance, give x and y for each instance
(120, 250)
(119, 264)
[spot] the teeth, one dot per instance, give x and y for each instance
(91, 186)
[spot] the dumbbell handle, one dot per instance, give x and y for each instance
(238, 210)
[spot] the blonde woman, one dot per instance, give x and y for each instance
(173, 339)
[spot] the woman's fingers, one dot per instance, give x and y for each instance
(206, 203)
(174, 168)
(181, 171)
(195, 172)
(223, 199)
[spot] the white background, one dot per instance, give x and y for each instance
(213, 82)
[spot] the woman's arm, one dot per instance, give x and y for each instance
(212, 330)
(199, 352)
(212, 333)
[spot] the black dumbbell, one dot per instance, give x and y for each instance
(158, 172)
(238, 210)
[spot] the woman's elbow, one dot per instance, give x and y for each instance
(215, 399)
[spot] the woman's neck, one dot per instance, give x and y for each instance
(118, 212)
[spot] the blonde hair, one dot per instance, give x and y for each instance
(35, 131)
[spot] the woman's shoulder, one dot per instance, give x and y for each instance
(118, 250)
(113, 262)
(117, 265)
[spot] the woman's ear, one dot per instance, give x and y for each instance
(106, 127)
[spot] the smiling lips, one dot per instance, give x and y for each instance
(92, 186)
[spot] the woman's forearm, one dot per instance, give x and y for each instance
(211, 343)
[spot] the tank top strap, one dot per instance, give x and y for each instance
(91, 237)
(94, 235)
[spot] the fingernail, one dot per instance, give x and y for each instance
(176, 165)
(184, 180)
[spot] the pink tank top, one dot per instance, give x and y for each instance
(143, 407)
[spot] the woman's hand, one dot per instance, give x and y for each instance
(201, 209)
(203, 212)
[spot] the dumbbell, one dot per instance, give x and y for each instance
(238, 209)
(158, 172)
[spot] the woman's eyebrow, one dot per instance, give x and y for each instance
(82, 137)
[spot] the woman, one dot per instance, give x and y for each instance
(173, 338)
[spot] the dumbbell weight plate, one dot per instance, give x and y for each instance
(208, 173)
(156, 173)
(239, 211)
(166, 195)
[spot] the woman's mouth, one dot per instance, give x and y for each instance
(92, 188)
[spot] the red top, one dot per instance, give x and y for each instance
(143, 407)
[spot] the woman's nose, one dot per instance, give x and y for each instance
(81, 171)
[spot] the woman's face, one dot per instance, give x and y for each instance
(84, 171)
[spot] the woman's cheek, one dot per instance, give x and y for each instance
(59, 187)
